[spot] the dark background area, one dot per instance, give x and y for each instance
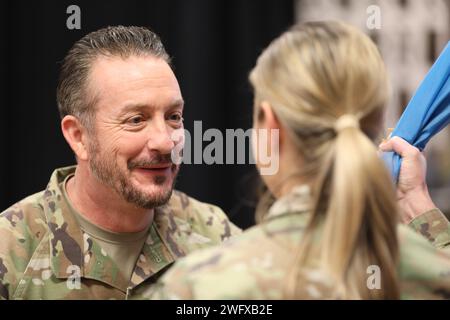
(214, 44)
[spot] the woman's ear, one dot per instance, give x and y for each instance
(268, 140)
(266, 117)
(75, 135)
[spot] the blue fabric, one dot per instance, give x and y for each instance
(427, 113)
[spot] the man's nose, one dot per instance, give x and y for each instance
(160, 137)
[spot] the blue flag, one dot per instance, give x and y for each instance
(427, 113)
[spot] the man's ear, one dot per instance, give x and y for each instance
(76, 136)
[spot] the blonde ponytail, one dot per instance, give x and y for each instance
(359, 229)
(327, 84)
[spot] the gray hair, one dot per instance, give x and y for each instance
(120, 41)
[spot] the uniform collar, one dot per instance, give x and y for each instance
(296, 201)
(66, 238)
(73, 253)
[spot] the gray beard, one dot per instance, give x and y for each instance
(110, 174)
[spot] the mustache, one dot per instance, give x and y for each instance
(163, 159)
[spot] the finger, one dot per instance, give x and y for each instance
(391, 145)
(400, 146)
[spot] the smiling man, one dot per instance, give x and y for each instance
(110, 226)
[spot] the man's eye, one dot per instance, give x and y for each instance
(136, 120)
(176, 117)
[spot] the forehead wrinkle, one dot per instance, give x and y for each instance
(133, 83)
(137, 70)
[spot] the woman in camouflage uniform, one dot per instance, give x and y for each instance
(333, 231)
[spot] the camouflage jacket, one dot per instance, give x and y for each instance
(45, 255)
(255, 264)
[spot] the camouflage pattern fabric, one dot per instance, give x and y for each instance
(255, 265)
(434, 226)
(45, 255)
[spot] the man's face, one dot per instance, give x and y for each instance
(138, 106)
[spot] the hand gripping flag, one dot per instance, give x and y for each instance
(427, 113)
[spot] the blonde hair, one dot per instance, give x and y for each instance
(313, 75)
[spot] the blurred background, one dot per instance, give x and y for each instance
(411, 36)
(214, 44)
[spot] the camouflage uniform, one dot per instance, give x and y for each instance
(255, 264)
(45, 255)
